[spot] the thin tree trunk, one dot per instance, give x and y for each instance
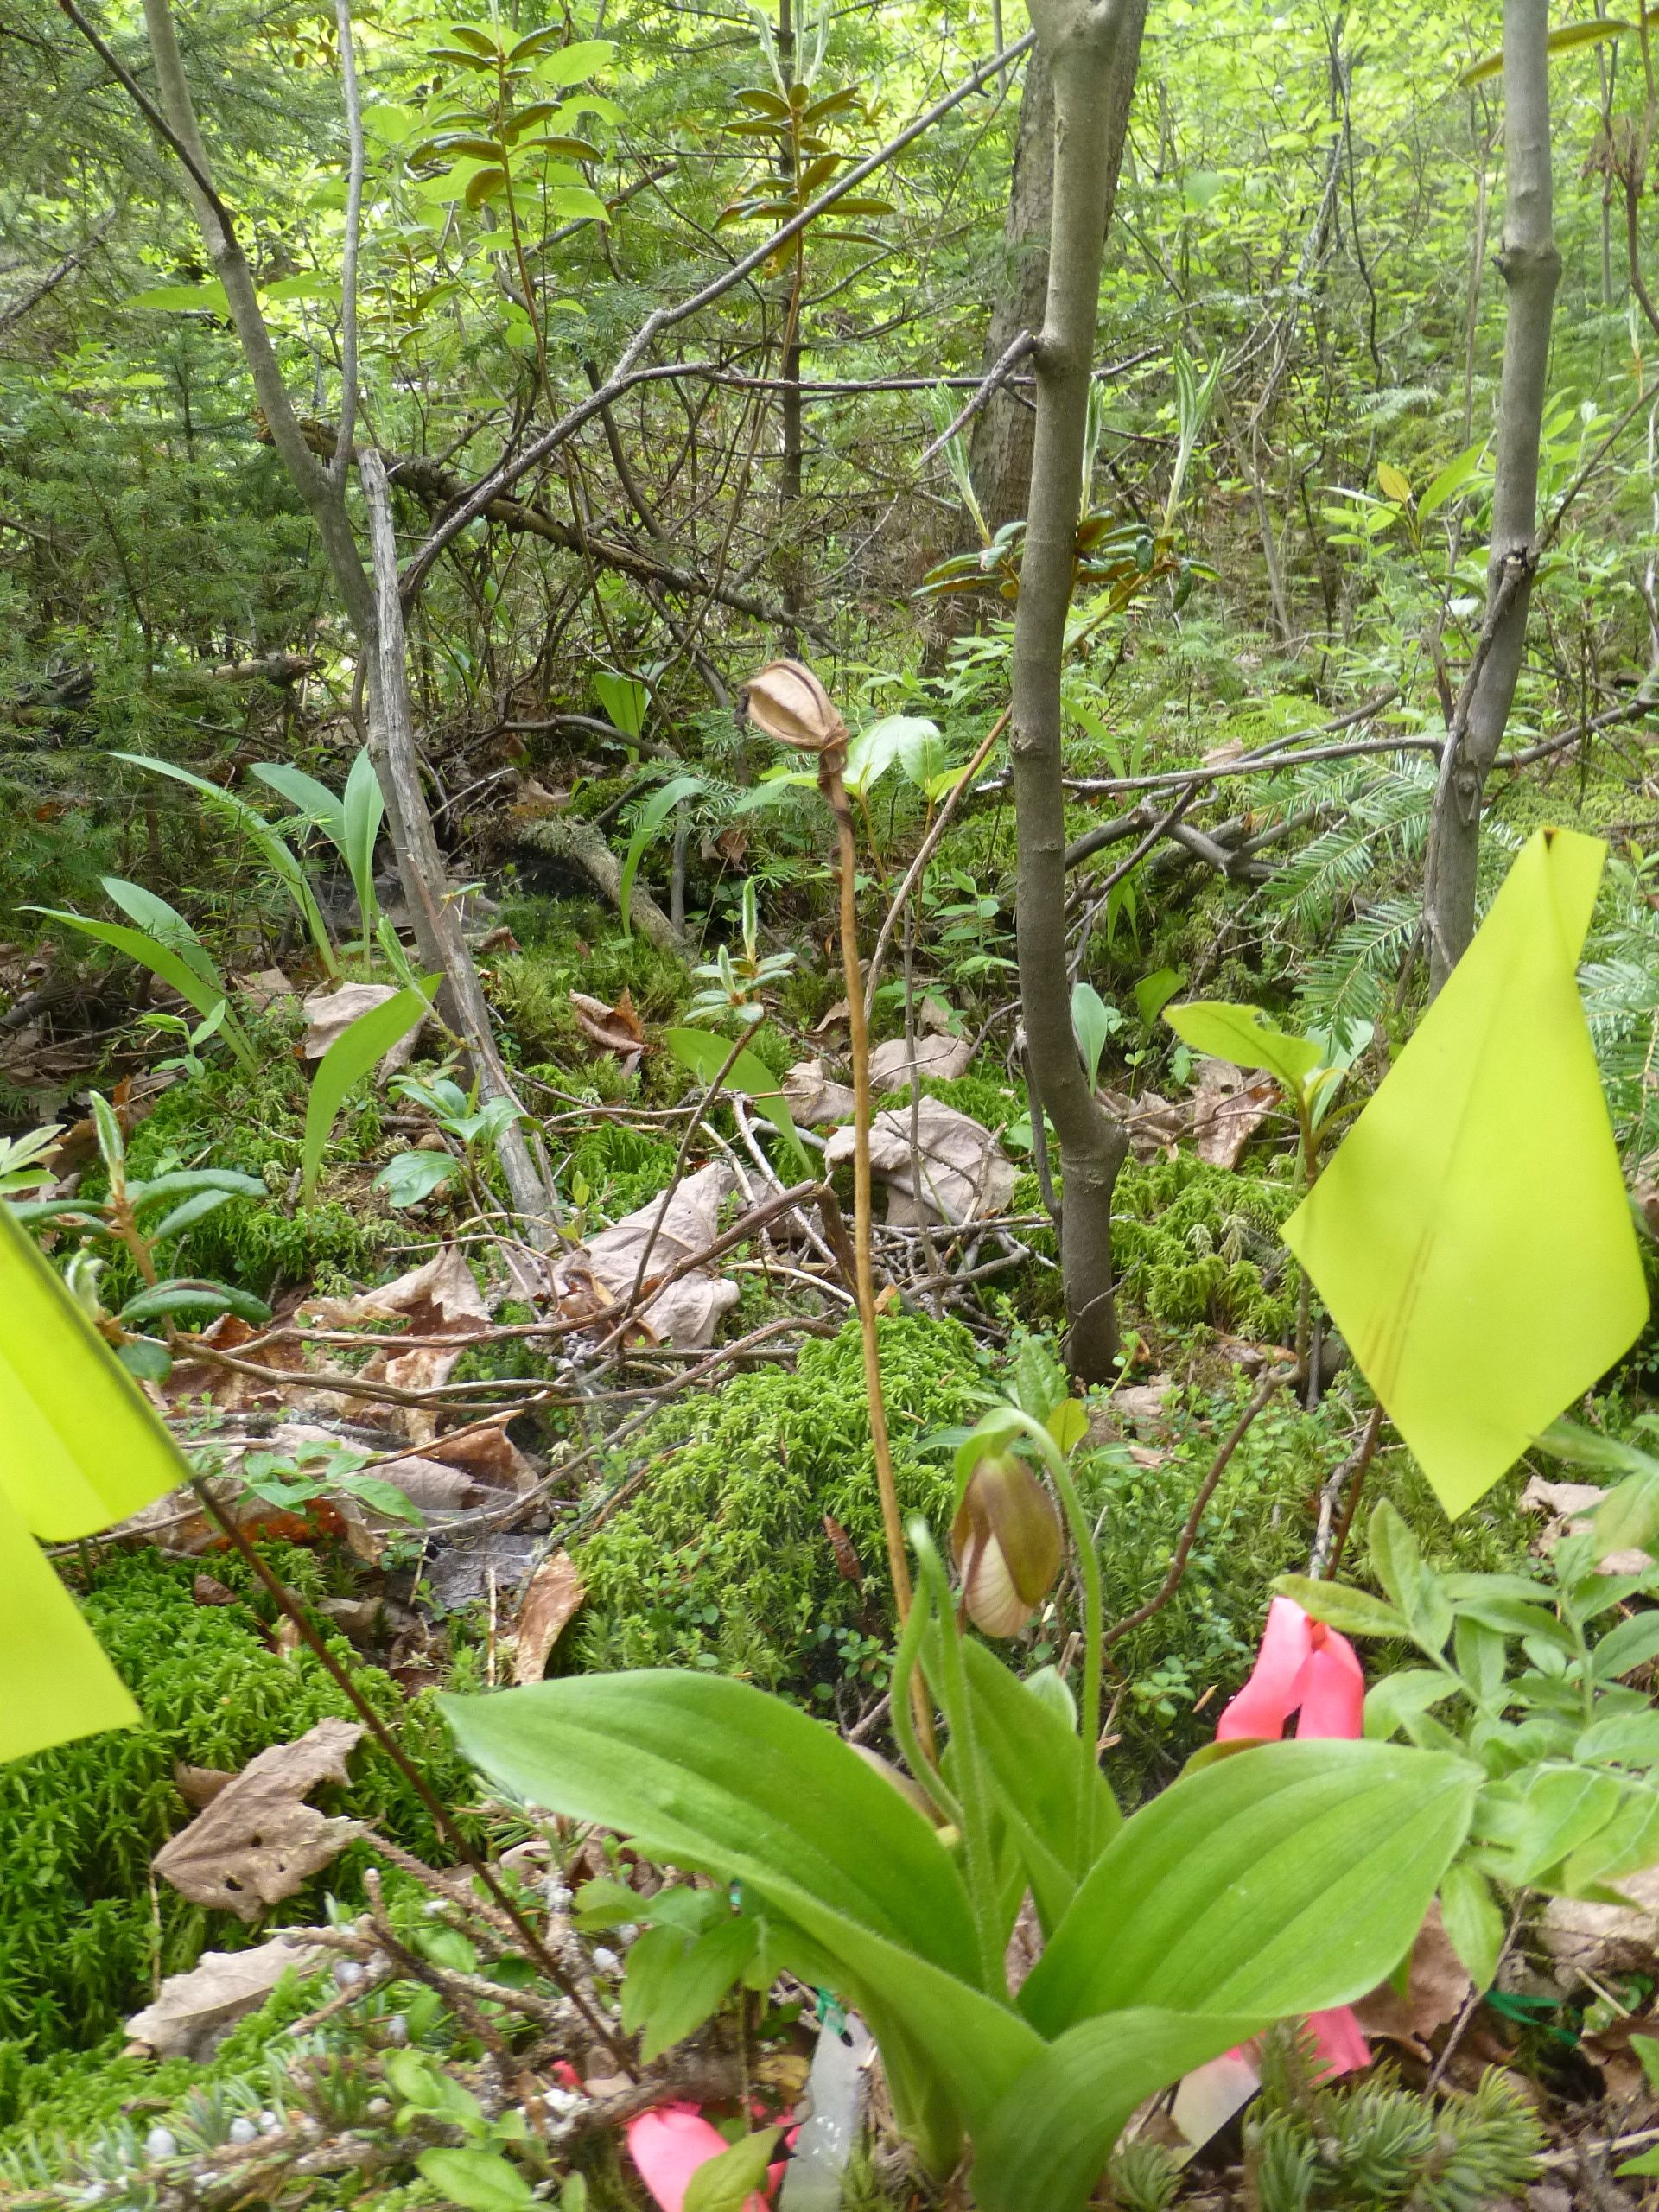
(1093, 49)
(999, 453)
(1531, 268)
(372, 607)
(436, 915)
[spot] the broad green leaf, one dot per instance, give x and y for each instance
(923, 755)
(80, 1450)
(883, 745)
(358, 1047)
(481, 2181)
(1472, 1238)
(1048, 2138)
(574, 64)
(1473, 1921)
(1153, 993)
(1287, 1879)
(1397, 485)
(409, 1177)
(1354, 1612)
(731, 2179)
(625, 700)
(705, 1053)
(1449, 481)
(712, 1775)
(1058, 1803)
(1537, 1817)
(1631, 1644)
(162, 960)
(1243, 1035)
(166, 925)
(1415, 1589)
(362, 809)
(655, 811)
(1092, 1023)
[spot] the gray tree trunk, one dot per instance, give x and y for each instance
(999, 452)
(1093, 51)
(1531, 268)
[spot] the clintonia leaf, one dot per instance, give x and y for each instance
(80, 1450)
(1243, 1035)
(1472, 1238)
(650, 819)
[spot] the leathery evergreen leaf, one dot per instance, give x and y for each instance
(1287, 1879)
(1050, 2137)
(1472, 1238)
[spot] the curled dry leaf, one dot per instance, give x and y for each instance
(1229, 1106)
(1437, 1985)
(965, 1172)
(593, 1278)
(1570, 1508)
(555, 1590)
(258, 1841)
(329, 1013)
(941, 1056)
(192, 2012)
(1155, 1125)
(814, 1098)
(613, 1028)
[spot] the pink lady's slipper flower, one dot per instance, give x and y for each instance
(1308, 1669)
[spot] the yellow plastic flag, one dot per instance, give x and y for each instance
(1472, 1238)
(79, 1449)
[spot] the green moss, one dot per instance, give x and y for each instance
(722, 1559)
(1196, 1244)
(80, 1937)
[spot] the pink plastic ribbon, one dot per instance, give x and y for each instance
(1308, 1669)
(668, 2144)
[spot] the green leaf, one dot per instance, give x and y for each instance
(162, 960)
(1287, 1879)
(1153, 992)
(1092, 1023)
(627, 701)
(1243, 1035)
(704, 1054)
(1472, 1237)
(482, 2181)
(1537, 1817)
(1392, 1701)
(271, 847)
(1395, 484)
(1631, 1644)
(409, 1177)
(1473, 1921)
(1354, 1612)
(1415, 1589)
(1048, 2138)
(1449, 481)
(651, 818)
(727, 2182)
(360, 1046)
(884, 745)
(177, 1297)
(712, 1775)
(676, 1981)
(574, 64)
(1059, 1808)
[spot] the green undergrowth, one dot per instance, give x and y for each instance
(1195, 1243)
(81, 1935)
(1170, 1678)
(721, 1560)
(253, 1120)
(567, 945)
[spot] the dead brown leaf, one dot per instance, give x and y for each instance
(1570, 1512)
(1155, 1125)
(1436, 1989)
(601, 1272)
(965, 1173)
(1584, 1938)
(613, 1028)
(555, 1592)
(943, 1058)
(328, 1013)
(192, 2012)
(834, 1019)
(258, 1841)
(1229, 1106)
(200, 1785)
(813, 1097)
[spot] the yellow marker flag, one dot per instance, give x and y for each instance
(80, 1450)
(1472, 1238)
